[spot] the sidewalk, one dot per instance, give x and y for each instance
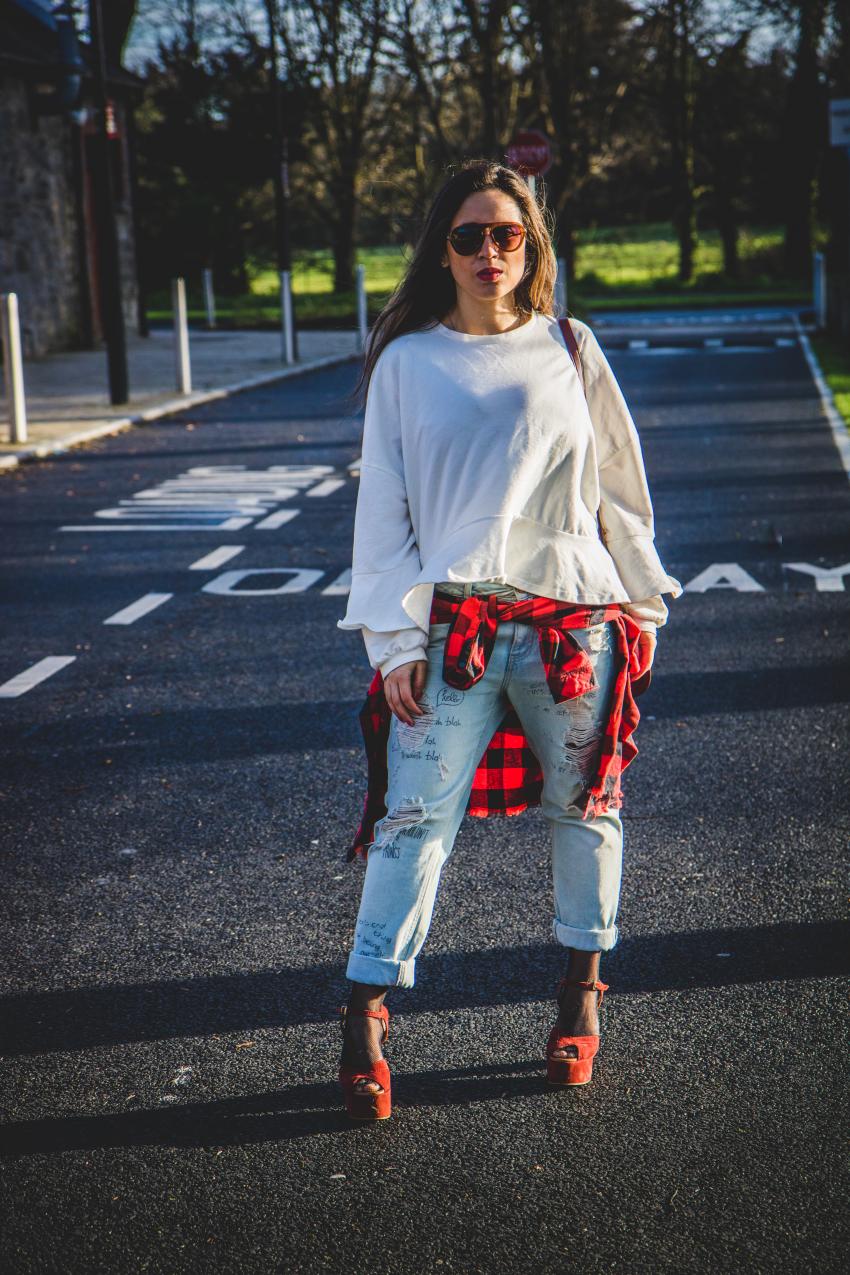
(68, 398)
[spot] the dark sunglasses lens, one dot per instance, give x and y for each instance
(467, 239)
(508, 237)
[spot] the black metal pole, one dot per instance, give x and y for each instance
(108, 258)
(281, 164)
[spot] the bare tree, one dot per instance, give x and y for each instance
(331, 47)
(679, 107)
(483, 28)
(805, 138)
(578, 64)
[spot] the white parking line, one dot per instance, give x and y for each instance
(836, 420)
(327, 487)
(342, 584)
(276, 520)
(217, 558)
(230, 524)
(31, 677)
(142, 606)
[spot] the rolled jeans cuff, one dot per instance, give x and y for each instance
(585, 940)
(379, 972)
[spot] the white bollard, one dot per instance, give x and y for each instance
(819, 289)
(209, 297)
(362, 312)
(287, 344)
(561, 287)
(182, 364)
(13, 367)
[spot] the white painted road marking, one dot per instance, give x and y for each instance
(31, 677)
(837, 424)
(302, 578)
(827, 579)
(724, 575)
(342, 584)
(729, 575)
(217, 558)
(231, 524)
(276, 520)
(216, 498)
(142, 606)
(327, 488)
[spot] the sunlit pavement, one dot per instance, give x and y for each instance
(178, 795)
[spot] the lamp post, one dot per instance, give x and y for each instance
(281, 164)
(109, 262)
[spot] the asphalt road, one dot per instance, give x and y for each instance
(178, 795)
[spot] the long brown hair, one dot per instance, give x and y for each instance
(427, 291)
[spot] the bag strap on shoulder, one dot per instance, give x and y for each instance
(572, 345)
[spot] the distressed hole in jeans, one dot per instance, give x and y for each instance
(407, 818)
(597, 639)
(582, 740)
(410, 737)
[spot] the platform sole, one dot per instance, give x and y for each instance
(577, 1071)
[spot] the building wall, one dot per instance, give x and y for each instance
(40, 255)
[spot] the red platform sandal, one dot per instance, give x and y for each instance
(360, 1103)
(573, 1071)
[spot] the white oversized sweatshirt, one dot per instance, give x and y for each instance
(483, 461)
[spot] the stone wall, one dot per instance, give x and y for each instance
(40, 255)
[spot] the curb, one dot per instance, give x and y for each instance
(840, 433)
(40, 451)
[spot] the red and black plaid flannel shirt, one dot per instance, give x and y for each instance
(509, 777)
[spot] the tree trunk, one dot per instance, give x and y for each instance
(344, 234)
(729, 238)
(804, 140)
(681, 96)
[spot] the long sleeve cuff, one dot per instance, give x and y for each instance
(650, 613)
(405, 657)
(639, 566)
(388, 650)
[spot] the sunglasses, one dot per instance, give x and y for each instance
(468, 238)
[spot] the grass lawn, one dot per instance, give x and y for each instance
(834, 360)
(619, 267)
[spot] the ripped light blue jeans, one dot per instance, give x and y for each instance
(431, 765)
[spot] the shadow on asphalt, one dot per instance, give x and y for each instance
(84, 1018)
(300, 1111)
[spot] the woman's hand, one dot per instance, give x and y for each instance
(645, 654)
(403, 687)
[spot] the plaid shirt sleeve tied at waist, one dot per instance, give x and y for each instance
(509, 777)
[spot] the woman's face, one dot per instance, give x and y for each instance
(486, 206)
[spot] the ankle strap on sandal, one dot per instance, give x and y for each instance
(383, 1014)
(590, 984)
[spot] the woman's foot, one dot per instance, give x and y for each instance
(577, 1016)
(361, 1042)
(577, 1006)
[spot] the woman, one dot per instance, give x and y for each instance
(507, 587)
